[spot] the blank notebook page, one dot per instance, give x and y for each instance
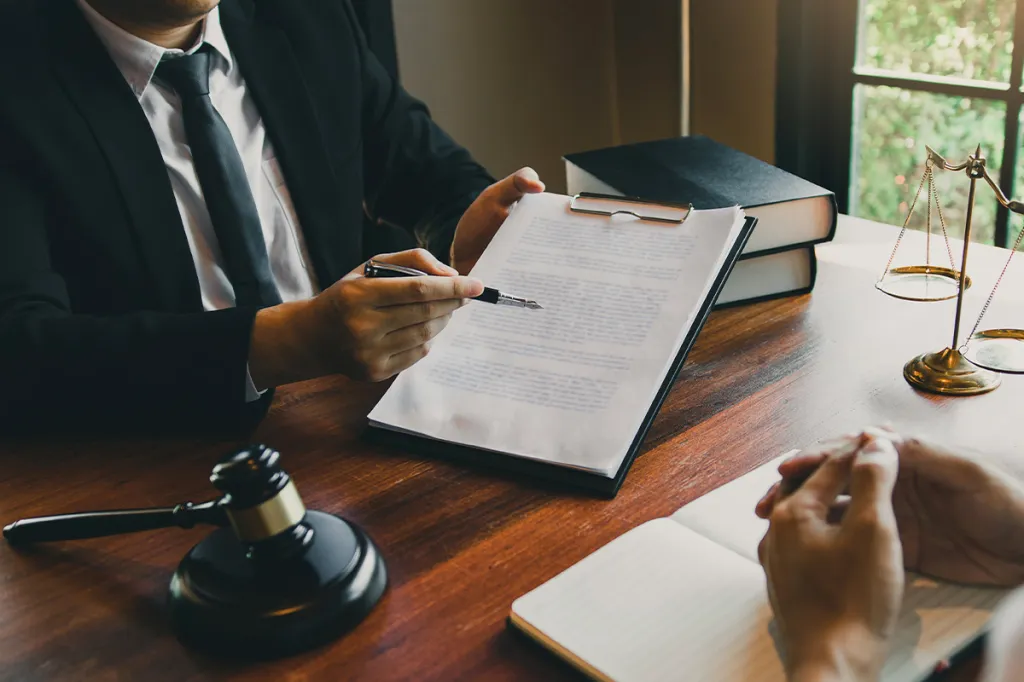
(656, 602)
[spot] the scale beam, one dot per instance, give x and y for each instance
(940, 161)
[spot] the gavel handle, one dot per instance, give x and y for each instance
(103, 523)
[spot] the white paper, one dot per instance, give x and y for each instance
(726, 514)
(569, 384)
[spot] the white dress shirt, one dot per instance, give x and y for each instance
(137, 60)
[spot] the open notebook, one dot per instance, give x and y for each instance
(569, 391)
(687, 593)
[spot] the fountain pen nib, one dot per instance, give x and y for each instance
(516, 301)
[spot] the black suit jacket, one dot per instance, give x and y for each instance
(100, 311)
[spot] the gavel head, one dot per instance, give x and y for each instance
(262, 504)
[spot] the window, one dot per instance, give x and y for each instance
(944, 73)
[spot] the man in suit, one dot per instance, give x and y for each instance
(183, 185)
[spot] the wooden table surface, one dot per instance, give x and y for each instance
(460, 543)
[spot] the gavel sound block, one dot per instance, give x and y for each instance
(273, 580)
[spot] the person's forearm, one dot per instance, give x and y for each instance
(852, 656)
(830, 672)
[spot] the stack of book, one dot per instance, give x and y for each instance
(793, 214)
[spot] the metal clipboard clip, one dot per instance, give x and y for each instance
(609, 205)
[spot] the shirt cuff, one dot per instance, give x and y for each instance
(251, 394)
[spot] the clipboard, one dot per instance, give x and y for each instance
(666, 213)
(603, 486)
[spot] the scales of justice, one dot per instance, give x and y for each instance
(975, 366)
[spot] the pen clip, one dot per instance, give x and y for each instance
(375, 268)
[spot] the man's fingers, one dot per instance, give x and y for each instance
(403, 290)
(527, 181)
(767, 503)
(801, 464)
(408, 338)
(406, 359)
(420, 259)
(511, 189)
(827, 483)
(819, 451)
(872, 478)
(398, 317)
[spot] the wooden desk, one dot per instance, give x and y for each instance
(462, 544)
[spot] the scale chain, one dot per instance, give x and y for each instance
(945, 233)
(992, 294)
(910, 214)
(928, 220)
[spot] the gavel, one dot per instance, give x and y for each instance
(273, 580)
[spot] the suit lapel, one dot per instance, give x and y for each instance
(126, 140)
(274, 78)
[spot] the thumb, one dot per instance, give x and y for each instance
(873, 476)
(512, 188)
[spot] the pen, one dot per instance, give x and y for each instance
(377, 269)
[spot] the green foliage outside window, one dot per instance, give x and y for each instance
(964, 39)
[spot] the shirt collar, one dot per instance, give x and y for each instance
(137, 59)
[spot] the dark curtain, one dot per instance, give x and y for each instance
(814, 99)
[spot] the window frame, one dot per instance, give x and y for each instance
(817, 76)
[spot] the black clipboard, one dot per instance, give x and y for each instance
(575, 478)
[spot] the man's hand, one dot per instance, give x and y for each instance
(836, 588)
(368, 329)
(960, 518)
(485, 215)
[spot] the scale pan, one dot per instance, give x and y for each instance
(1000, 350)
(922, 283)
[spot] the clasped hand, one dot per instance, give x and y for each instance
(875, 503)
(836, 587)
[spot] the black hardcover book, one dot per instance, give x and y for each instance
(790, 211)
(779, 274)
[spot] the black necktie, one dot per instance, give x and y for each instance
(224, 182)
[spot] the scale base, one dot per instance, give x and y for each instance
(225, 604)
(947, 372)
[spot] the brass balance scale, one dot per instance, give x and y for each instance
(974, 367)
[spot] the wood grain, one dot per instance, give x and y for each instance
(462, 543)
